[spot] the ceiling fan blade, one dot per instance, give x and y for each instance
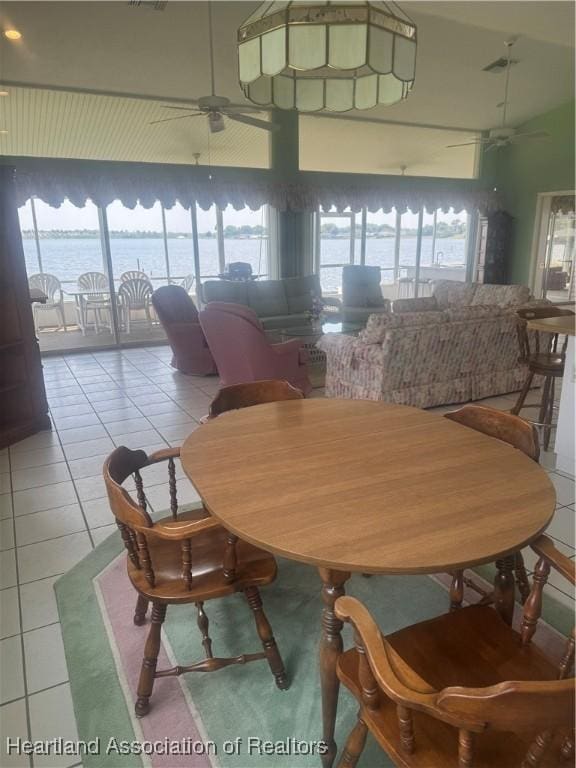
(252, 121)
(180, 117)
(466, 144)
(173, 106)
(531, 135)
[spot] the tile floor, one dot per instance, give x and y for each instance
(53, 511)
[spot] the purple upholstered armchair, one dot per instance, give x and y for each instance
(243, 353)
(179, 318)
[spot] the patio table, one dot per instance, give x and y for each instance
(370, 487)
(82, 297)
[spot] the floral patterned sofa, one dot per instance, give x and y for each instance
(459, 344)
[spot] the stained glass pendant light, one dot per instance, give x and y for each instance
(332, 56)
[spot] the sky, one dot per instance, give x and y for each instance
(119, 217)
(177, 219)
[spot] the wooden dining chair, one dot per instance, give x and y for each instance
(186, 557)
(543, 356)
(462, 690)
(519, 434)
(253, 393)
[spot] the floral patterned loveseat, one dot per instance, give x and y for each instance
(447, 348)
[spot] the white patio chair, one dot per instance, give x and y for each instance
(98, 303)
(187, 283)
(134, 295)
(51, 287)
(133, 274)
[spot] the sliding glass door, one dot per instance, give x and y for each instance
(335, 248)
(100, 266)
(411, 249)
(558, 278)
(64, 256)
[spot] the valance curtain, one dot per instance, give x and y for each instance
(563, 204)
(54, 181)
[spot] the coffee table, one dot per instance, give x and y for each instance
(369, 487)
(311, 334)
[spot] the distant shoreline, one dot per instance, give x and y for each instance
(48, 235)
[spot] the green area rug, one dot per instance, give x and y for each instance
(225, 716)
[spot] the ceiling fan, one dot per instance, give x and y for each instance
(504, 135)
(216, 108)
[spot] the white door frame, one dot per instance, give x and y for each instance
(539, 238)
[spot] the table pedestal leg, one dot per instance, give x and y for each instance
(504, 588)
(330, 648)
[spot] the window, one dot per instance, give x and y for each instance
(336, 247)
(227, 236)
(381, 243)
(246, 238)
(172, 245)
(558, 281)
(180, 267)
(64, 243)
(30, 238)
(137, 241)
(411, 249)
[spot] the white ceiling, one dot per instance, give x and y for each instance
(332, 144)
(45, 123)
(115, 48)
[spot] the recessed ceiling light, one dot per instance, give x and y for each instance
(12, 34)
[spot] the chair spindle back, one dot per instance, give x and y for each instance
(501, 425)
(239, 396)
(133, 516)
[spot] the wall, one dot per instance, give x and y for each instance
(529, 167)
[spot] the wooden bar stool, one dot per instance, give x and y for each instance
(543, 358)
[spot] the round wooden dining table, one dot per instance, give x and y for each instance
(361, 486)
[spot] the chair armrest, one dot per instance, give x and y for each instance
(178, 530)
(163, 454)
(544, 547)
(396, 678)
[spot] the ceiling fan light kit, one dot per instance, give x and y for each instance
(332, 56)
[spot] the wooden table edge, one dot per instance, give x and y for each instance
(564, 324)
(358, 568)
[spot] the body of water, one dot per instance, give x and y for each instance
(68, 258)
